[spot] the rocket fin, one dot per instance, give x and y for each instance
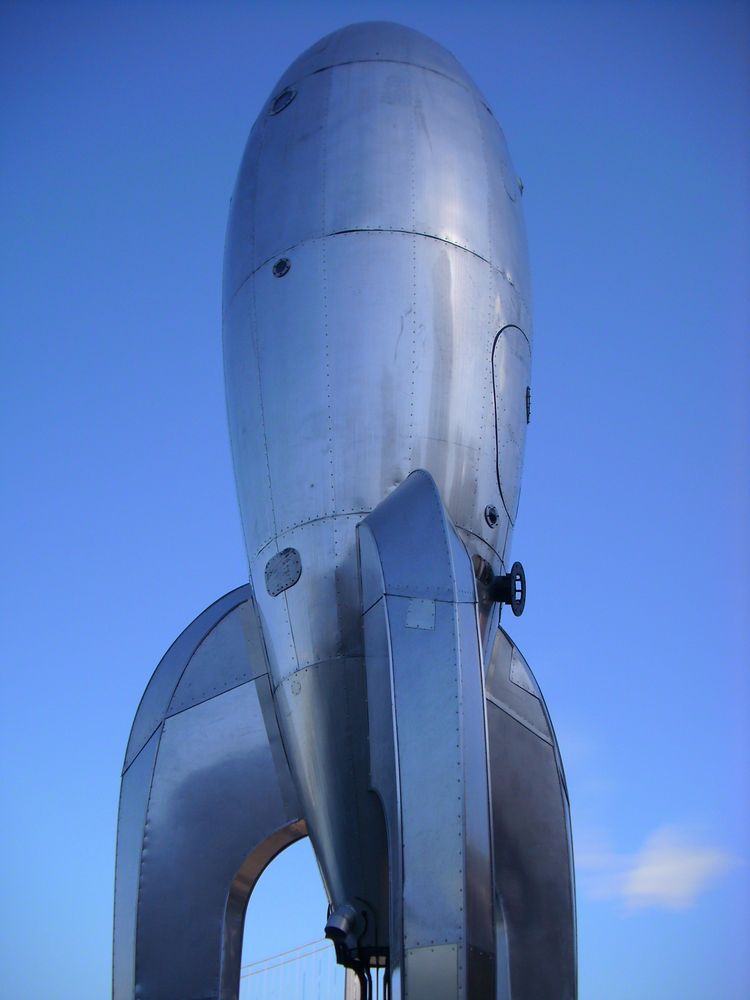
(207, 800)
(532, 848)
(428, 756)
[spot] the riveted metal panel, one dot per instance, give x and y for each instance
(323, 715)
(452, 335)
(435, 792)
(426, 324)
(246, 415)
(433, 864)
(368, 355)
(432, 972)
(507, 233)
(404, 151)
(160, 688)
(414, 543)
(370, 147)
(384, 776)
(216, 795)
(291, 183)
(282, 571)
(420, 614)
(231, 654)
(370, 338)
(450, 192)
(316, 619)
(205, 804)
(134, 794)
(292, 360)
(334, 627)
(479, 904)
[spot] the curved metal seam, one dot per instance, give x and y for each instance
(311, 666)
(393, 62)
(211, 697)
(160, 730)
(195, 648)
(150, 737)
(481, 539)
(304, 524)
(366, 229)
(518, 718)
(508, 326)
(453, 601)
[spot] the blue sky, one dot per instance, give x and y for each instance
(123, 126)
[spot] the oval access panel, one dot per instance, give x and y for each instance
(511, 364)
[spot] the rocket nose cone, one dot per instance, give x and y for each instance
(375, 41)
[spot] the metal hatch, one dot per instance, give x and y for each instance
(511, 363)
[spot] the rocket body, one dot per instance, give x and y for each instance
(376, 321)
(359, 689)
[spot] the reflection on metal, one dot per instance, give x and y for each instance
(357, 689)
(435, 795)
(191, 841)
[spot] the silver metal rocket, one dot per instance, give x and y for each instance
(359, 690)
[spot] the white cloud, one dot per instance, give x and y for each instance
(670, 871)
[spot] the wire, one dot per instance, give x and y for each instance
(280, 954)
(287, 961)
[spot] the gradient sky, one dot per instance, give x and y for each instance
(122, 130)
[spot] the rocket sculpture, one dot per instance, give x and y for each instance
(359, 690)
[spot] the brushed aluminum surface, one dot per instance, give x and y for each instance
(385, 183)
(192, 839)
(377, 349)
(386, 187)
(429, 743)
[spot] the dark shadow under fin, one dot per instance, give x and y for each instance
(532, 849)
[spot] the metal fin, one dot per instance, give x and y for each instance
(532, 849)
(428, 744)
(206, 802)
